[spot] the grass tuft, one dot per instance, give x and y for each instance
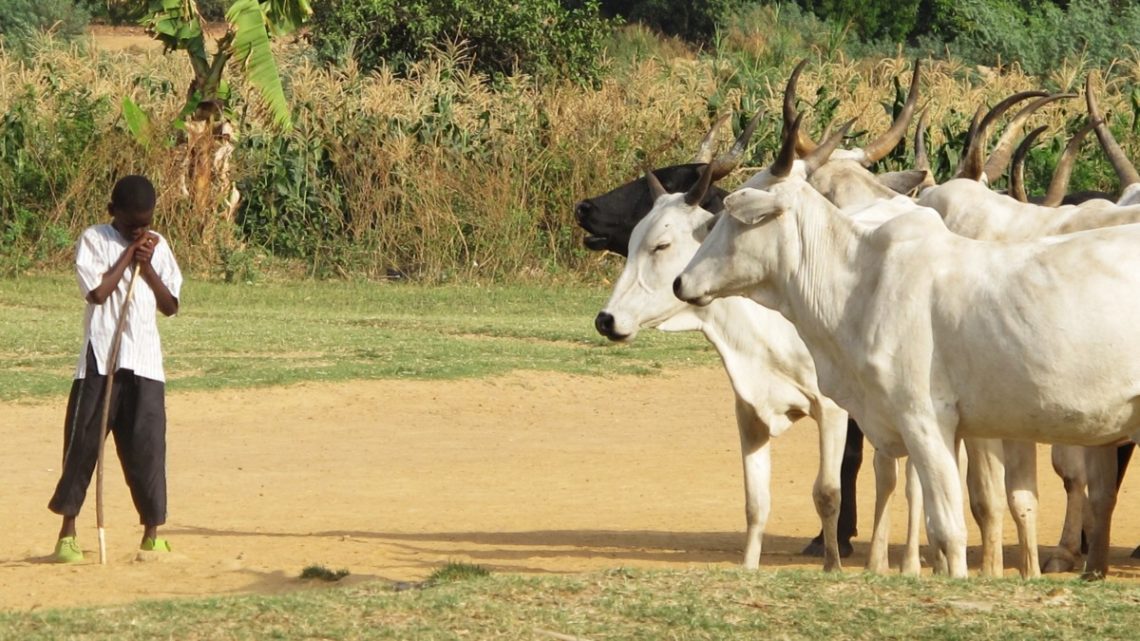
(323, 573)
(454, 572)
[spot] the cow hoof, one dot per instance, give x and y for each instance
(815, 548)
(1059, 563)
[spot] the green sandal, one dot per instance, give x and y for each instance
(67, 550)
(158, 544)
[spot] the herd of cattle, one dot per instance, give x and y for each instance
(926, 316)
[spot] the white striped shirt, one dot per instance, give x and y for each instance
(140, 348)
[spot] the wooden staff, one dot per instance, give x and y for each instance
(112, 359)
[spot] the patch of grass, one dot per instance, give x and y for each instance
(454, 571)
(281, 333)
(323, 573)
(725, 605)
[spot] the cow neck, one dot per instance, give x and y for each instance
(824, 276)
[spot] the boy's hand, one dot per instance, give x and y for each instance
(143, 247)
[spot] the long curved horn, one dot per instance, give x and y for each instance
(1124, 168)
(881, 146)
(697, 192)
(1017, 165)
(921, 159)
(782, 166)
(705, 148)
(970, 164)
(822, 153)
(975, 151)
(1060, 181)
(656, 189)
(804, 145)
(727, 162)
(1000, 156)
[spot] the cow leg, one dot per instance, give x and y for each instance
(911, 563)
(931, 447)
(886, 477)
(826, 491)
(848, 489)
(985, 480)
(1123, 456)
(757, 455)
(1021, 485)
(1100, 465)
(1069, 463)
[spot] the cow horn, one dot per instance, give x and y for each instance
(656, 189)
(976, 140)
(1124, 168)
(1060, 181)
(697, 192)
(970, 165)
(705, 148)
(877, 149)
(1017, 165)
(822, 153)
(921, 159)
(730, 160)
(782, 167)
(1000, 156)
(804, 145)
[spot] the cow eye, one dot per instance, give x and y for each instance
(661, 247)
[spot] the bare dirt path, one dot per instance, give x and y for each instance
(531, 472)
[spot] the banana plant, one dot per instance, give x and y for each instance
(243, 46)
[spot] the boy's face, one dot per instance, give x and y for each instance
(132, 225)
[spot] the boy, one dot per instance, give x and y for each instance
(104, 260)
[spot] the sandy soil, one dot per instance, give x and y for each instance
(528, 473)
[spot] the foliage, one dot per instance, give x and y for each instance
(454, 571)
(24, 19)
(541, 38)
(695, 22)
(893, 20)
(177, 24)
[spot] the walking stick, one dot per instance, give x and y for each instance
(111, 360)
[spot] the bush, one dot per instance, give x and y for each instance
(20, 19)
(692, 21)
(541, 38)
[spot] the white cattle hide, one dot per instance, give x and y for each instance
(924, 335)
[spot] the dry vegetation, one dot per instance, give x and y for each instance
(441, 175)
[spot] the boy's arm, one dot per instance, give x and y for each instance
(111, 277)
(163, 299)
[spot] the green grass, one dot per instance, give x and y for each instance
(720, 605)
(281, 333)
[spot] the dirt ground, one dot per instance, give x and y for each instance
(529, 473)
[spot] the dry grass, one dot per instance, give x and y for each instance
(442, 175)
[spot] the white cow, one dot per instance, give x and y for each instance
(971, 209)
(773, 377)
(924, 335)
(994, 468)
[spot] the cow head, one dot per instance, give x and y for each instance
(609, 219)
(748, 246)
(660, 246)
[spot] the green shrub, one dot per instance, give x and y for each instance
(20, 19)
(540, 37)
(692, 21)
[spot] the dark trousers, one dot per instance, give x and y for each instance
(138, 422)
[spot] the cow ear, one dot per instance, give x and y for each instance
(903, 182)
(751, 206)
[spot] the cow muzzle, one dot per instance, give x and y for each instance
(605, 324)
(692, 298)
